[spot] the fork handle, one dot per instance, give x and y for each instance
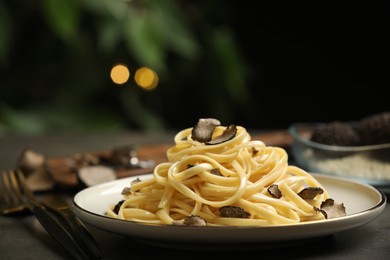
(55, 229)
(82, 232)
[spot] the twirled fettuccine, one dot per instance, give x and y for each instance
(198, 179)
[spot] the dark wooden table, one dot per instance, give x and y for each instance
(22, 237)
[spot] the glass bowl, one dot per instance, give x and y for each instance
(368, 163)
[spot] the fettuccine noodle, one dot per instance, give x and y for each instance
(198, 179)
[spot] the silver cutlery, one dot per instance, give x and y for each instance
(10, 201)
(59, 205)
(17, 194)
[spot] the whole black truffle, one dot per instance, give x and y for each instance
(375, 129)
(336, 133)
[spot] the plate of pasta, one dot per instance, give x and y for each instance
(219, 186)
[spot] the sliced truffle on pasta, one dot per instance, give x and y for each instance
(274, 191)
(310, 193)
(233, 212)
(192, 220)
(227, 135)
(330, 209)
(203, 130)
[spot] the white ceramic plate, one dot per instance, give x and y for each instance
(363, 203)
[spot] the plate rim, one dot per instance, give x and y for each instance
(148, 231)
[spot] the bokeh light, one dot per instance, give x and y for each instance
(120, 74)
(146, 78)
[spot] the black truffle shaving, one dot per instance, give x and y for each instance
(203, 130)
(126, 191)
(254, 151)
(227, 134)
(137, 180)
(274, 191)
(193, 220)
(330, 209)
(233, 212)
(310, 193)
(117, 206)
(216, 171)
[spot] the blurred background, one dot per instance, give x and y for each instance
(152, 65)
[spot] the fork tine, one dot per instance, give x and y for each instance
(6, 192)
(9, 197)
(17, 191)
(12, 198)
(50, 222)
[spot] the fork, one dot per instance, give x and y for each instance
(10, 197)
(16, 194)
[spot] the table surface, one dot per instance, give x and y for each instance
(22, 237)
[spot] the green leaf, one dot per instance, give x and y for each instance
(143, 40)
(63, 17)
(110, 35)
(173, 27)
(117, 8)
(97, 6)
(231, 63)
(26, 122)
